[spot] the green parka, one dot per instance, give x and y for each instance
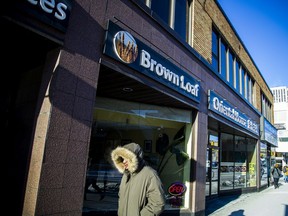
(141, 192)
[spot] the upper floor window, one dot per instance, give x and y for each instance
(231, 68)
(266, 108)
(223, 61)
(236, 82)
(173, 12)
(180, 24)
(162, 9)
(215, 51)
(242, 80)
(250, 88)
(228, 65)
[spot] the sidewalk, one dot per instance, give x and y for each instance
(268, 202)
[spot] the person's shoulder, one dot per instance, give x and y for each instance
(150, 170)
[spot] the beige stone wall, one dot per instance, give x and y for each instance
(202, 37)
(206, 14)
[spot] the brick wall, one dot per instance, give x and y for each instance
(207, 13)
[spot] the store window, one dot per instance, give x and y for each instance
(240, 166)
(164, 133)
(252, 162)
(263, 164)
(227, 162)
(238, 162)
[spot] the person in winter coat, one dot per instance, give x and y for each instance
(276, 173)
(141, 191)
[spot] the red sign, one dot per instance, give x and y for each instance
(177, 189)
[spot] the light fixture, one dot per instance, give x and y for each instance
(127, 89)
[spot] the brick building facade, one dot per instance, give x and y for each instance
(72, 98)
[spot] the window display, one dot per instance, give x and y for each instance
(163, 133)
(238, 164)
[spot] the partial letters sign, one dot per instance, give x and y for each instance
(223, 108)
(122, 46)
(55, 13)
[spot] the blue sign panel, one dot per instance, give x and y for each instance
(122, 46)
(55, 13)
(223, 108)
(270, 133)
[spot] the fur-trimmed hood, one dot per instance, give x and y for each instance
(131, 152)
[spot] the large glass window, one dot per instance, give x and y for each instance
(238, 162)
(251, 159)
(227, 162)
(263, 164)
(162, 132)
(240, 167)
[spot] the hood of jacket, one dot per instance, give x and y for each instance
(131, 152)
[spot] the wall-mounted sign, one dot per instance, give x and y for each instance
(269, 132)
(55, 13)
(122, 46)
(223, 108)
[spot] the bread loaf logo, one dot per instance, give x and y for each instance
(125, 47)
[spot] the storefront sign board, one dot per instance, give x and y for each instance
(226, 110)
(122, 46)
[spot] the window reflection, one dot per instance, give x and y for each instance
(163, 134)
(263, 164)
(238, 164)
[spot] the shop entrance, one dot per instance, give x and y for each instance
(212, 165)
(130, 111)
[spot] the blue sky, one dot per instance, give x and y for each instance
(262, 26)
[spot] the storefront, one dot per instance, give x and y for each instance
(267, 152)
(232, 149)
(147, 110)
(101, 74)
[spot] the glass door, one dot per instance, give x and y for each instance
(212, 166)
(214, 170)
(208, 173)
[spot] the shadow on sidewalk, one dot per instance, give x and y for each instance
(214, 204)
(237, 213)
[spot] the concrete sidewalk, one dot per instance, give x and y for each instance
(268, 202)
